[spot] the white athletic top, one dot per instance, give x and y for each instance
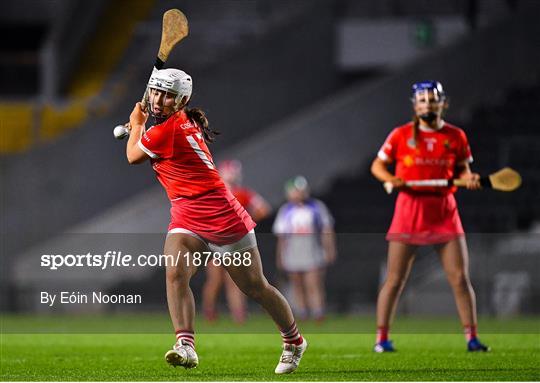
(301, 226)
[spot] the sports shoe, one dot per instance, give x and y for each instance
(475, 345)
(182, 354)
(385, 346)
(290, 357)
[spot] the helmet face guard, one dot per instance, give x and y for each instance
(428, 92)
(161, 117)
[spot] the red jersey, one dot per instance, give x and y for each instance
(434, 156)
(180, 157)
(249, 199)
(217, 217)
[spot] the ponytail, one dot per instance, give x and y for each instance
(197, 116)
(415, 127)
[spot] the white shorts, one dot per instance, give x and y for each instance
(301, 253)
(248, 241)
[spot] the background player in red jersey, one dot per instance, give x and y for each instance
(426, 148)
(216, 276)
(204, 215)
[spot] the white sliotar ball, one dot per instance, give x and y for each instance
(388, 187)
(120, 132)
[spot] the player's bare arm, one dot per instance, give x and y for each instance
(260, 209)
(329, 245)
(379, 169)
(463, 171)
(137, 121)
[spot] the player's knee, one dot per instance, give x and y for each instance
(256, 289)
(177, 275)
(312, 289)
(458, 279)
(395, 282)
(211, 284)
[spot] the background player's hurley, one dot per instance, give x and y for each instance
(506, 180)
(174, 29)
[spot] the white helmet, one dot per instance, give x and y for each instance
(173, 81)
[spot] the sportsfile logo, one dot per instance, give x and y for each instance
(109, 259)
(118, 259)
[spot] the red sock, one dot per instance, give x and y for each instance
(210, 315)
(470, 332)
(239, 315)
(186, 336)
(292, 335)
(382, 333)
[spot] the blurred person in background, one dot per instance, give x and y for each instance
(216, 276)
(426, 148)
(305, 246)
(205, 216)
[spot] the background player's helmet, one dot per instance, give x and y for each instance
(426, 86)
(172, 81)
(298, 182)
(231, 171)
(297, 189)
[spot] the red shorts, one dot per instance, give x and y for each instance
(216, 216)
(425, 219)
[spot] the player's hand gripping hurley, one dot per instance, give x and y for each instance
(174, 29)
(506, 180)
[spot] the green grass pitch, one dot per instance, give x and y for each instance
(131, 348)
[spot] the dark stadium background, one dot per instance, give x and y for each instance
(295, 87)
